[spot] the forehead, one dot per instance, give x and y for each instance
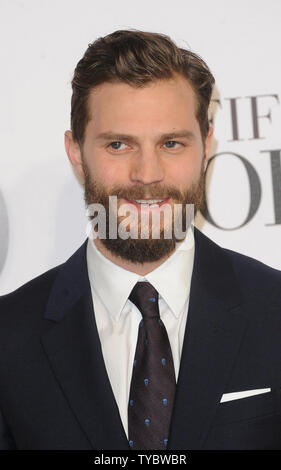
(159, 103)
(162, 106)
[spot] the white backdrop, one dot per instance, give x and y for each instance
(42, 215)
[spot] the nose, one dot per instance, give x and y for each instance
(147, 168)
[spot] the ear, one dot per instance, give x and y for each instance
(73, 151)
(208, 141)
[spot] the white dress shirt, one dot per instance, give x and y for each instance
(117, 318)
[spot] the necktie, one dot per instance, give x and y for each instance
(153, 381)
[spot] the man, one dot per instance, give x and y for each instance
(142, 342)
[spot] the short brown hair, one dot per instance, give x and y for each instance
(136, 58)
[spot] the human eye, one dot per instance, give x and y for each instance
(172, 144)
(116, 145)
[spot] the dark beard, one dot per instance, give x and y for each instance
(142, 250)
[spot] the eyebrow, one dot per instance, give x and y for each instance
(184, 133)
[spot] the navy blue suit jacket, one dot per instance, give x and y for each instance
(54, 388)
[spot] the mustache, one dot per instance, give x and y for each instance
(138, 192)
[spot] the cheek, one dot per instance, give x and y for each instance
(108, 171)
(184, 173)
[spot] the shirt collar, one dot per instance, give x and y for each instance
(172, 278)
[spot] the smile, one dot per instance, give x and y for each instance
(150, 203)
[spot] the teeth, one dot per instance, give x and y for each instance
(149, 201)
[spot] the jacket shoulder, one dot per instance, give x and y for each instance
(243, 262)
(30, 295)
(27, 304)
(255, 276)
(257, 281)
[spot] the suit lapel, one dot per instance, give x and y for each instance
(74, 352)
(213, 333)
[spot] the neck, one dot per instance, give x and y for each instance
(139, 268)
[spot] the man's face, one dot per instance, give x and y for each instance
(140, 144)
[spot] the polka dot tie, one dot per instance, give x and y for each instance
(153, 381)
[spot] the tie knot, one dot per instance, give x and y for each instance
(145, 297)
